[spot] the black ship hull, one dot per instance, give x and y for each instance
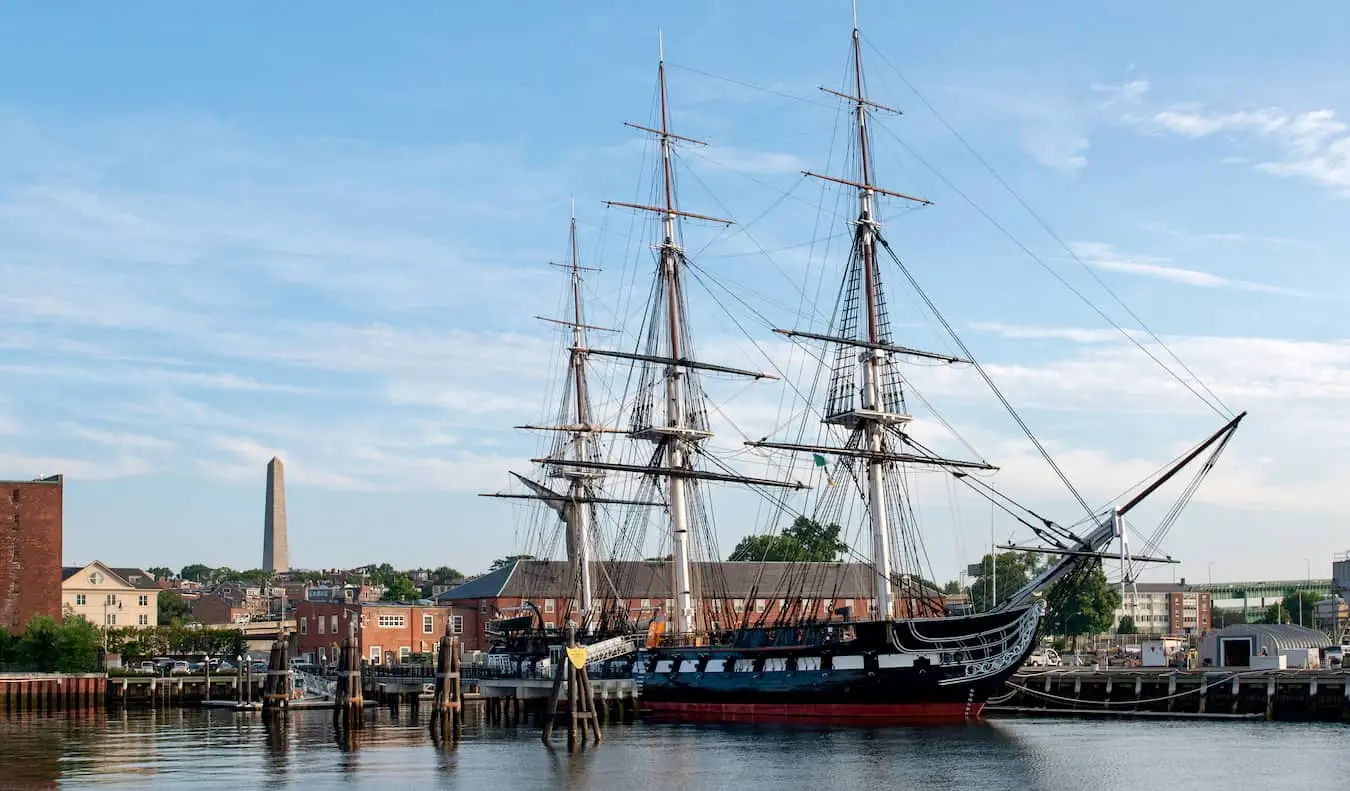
(872, 672)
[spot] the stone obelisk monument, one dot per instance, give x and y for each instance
(274, 522)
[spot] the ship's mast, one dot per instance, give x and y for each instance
(874, 431)
(864, 393)
(675, 455)
(577, 515)
(577, 446)
(681, 427)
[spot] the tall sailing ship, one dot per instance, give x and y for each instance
(903, 656)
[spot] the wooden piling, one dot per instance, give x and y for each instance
(581, 720)
(277, 688)
(349, 705)
(447, 716)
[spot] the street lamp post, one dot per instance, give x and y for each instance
(1211, 572)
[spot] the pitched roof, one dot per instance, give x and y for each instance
(132, 577)
(137, 578)
(651, 580)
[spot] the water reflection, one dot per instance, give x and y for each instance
(218, 749)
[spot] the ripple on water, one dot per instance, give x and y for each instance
(216, 749)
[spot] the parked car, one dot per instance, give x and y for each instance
(1043, 657)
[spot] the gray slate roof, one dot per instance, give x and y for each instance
(136, 578)
(651, 580)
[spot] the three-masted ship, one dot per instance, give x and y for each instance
(902, 656)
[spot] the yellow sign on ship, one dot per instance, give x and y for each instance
(577, 656)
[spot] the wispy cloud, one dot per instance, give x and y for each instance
(1314, 144)
(1105, 256)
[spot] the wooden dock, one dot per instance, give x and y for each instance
(1216, 693)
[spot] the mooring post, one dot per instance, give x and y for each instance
(276, 689)
(447, 718)
(349, 705)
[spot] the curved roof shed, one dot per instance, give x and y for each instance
(1267, 637)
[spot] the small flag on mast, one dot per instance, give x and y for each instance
(821, 461)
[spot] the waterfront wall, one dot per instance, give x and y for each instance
(52, 691)
(1309, 695)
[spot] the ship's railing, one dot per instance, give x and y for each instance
(598, 671)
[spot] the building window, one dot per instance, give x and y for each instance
(110, 619)
(79, 599)
(403, 652)
(375, 654)
(96, 578)
(548, 605)
(143, 600)
(457, 624)
(759, 605)
(304, 626)
(391, 621)
(334, 624)
(111, 598)
(319, 621)
(143, 620)
(646, 603)
(740, 605)
(428, 624)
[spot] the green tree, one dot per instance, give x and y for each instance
(1083, 604)
(508, 560)
(253, 576)
(77, 646)
(172, 609)
(1014, 570)
(69, 647)
(806, 540)
(1275, 613)
(1301, 604)
(1221, 617)
(197, 572)
(951, 587)
(1126, 626)
(445, 576)
(402, 589)
(9, 649)
(160, 572)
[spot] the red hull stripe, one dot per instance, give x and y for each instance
(855, 712)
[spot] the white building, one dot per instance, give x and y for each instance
(110, 597)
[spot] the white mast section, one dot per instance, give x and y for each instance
(675, 455)
(874, 432)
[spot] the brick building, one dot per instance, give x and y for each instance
(1164, 608)
(30, 551)
(210, 609)
(726, 593)
(388, 631)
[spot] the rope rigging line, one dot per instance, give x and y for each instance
(1216, 407)
(1217, 404)
(1045, 454)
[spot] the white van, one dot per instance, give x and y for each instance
(1043, 657)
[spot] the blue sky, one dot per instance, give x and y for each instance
(321, 230)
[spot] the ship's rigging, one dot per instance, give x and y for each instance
(865, 439)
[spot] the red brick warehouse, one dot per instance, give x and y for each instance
(30, 551)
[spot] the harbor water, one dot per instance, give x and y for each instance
(217, 749)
